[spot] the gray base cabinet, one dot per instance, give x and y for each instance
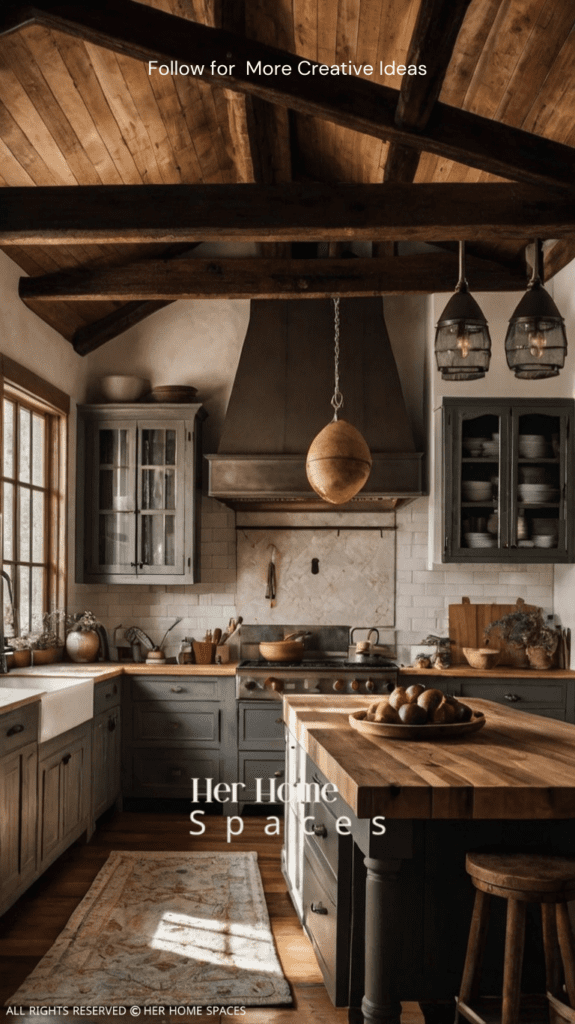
(552, 698)
(261, 743)
(176, 729)
(18, 802)
(64, 791)
(106, 747)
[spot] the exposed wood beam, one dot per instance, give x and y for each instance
(78, 214)
(91, 336)
(558, 257)
(157, 280)
(432, 43)
(145, 33)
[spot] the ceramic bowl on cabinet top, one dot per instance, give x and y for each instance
(123, 387)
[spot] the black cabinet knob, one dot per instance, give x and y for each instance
(66, 758)
(318, 908)
(512, 697)
(320, 830)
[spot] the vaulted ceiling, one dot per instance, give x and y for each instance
(79, 111)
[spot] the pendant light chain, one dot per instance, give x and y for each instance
(337, 400)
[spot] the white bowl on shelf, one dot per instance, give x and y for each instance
(480, 540)
(544, 540)
(123, 387)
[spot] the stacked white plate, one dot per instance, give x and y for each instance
(491, 449)
(544, 540)
(533, 446)
(536, 494)
(480, 540)
(477, 490)
(533, 475)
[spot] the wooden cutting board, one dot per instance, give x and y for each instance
(467, 622)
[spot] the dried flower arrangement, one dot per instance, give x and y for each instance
(525, 629)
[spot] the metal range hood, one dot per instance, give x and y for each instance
(281, 397)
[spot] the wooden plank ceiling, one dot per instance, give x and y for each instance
(76, 113)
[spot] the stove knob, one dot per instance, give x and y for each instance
(274, 684)
(339, 685)
(390, 687)
(370, 686)
(250, 684)
(355, 684)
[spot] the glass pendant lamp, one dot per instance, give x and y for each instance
(462, 341)
(536, 343)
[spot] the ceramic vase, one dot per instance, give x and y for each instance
(539, 658)
(83, 646)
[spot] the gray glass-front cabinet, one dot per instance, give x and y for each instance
(509, 480)
(138, 482)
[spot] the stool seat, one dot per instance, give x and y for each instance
(520, 878)
(526, 875)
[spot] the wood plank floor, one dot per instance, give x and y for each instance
(29, 928)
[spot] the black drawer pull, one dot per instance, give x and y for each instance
(15, 729)
(109, 696)
(111, 724)
(320, 830)
(279, 721)
(176, 689)
(318, 908)
(512, 697)
(279, 774)
(66, 758)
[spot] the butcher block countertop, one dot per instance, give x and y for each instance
(100, 670)
(519, 766)
(504, 672)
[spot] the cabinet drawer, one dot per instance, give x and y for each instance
(170, 772)
(174, 688)
(106, 695)
(517, 692)
(176, 721)
(320, 920)
(325, 840)
(19, 727)
(254, 766)
(261, 726)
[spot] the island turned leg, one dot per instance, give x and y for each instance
(380, 1004)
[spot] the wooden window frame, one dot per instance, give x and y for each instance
(19, 384)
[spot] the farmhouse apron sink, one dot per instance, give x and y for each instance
(65, 704)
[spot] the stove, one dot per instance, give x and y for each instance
(265, 680)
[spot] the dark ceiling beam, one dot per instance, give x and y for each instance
(91, 336)
(144, 33)
(80, 214)
(157, 280)
(432, 43)
(558, 256)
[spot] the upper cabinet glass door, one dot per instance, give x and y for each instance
(508, 480)
(160, 471)
(114, 475)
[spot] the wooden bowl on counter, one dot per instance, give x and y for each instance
(482, 657)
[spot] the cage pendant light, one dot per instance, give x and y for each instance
(536, 343)
(338, 461)
(462, 341)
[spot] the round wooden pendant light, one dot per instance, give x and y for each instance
(338, 461)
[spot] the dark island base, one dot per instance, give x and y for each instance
(418, 905)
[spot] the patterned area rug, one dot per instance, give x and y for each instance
(164, 929)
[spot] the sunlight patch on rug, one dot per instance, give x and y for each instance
(164, 929)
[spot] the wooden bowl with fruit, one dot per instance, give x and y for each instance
(414, 713)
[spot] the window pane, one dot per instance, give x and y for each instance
(24, 444)
(38, 449)
(8, 438)
(37, 526)
(114, 541)
(8, 521)
(9, 625)
(24, 524)
(37, 596)
(24, 599)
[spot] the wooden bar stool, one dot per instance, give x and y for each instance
(520, 878)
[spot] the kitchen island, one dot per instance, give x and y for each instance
(512, 784)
